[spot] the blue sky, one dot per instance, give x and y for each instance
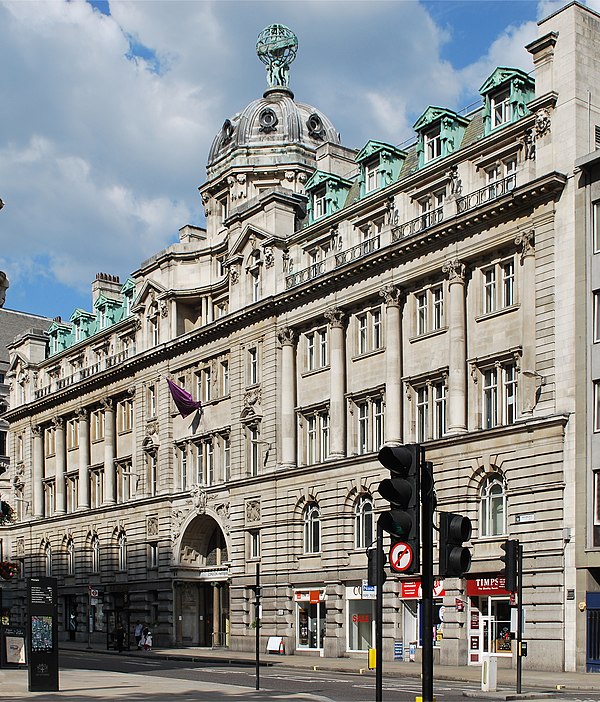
(108, 109)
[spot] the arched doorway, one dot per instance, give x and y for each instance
(202, 585)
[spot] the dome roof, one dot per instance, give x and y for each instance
(273, 121)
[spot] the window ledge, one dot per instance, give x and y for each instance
(428, 335)
(497, 313)
(368, 354)
(313, 371)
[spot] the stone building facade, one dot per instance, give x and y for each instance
(336, 300)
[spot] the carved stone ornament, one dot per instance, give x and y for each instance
(391, 294)
(454, 181)
(528, 141)
(269, 257)
(542, 122)
(290, 176)
(20, 546)
(252, 397)
(253, 511)
(315, 127)
(177, 518)
(285, 336)
(455, 270)
(227, 131)
(152, 526)
(199, 497)
(234, 274)
(334, 316)
(223, 512)
(152, 427)
(268, 121)
(527, 241)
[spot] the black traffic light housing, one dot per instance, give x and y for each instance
(372, 567)
(402, 491)
(510, 560)
(454, 557)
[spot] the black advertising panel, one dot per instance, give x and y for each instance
(43, 634)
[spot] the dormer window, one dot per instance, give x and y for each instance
(380, 165)
(371, 176)
(327, 193)
(433, 144)
(500, 104)
(320, 203)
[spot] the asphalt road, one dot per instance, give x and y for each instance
(338, 687)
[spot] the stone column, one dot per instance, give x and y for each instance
(337, 364)
(457, 371)
(60, 488)
(38, 471)
(216, 613)
(393, 363)
(288, 397)
(530, 379)
(83, 484)
(109, 452)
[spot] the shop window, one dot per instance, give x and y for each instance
(311, 622)
(361, 624)
(363, 522)
(493, 507)
(312, 528)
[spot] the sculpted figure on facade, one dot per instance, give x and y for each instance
(199, 498)
(392, 295)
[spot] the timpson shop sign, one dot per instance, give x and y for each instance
(494, 585)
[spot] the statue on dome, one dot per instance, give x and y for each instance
(276, 48)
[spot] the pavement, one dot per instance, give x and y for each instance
(98, 685)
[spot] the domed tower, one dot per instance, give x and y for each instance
(269, 147)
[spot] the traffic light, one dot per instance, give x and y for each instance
(510, 560)
(401, 490)
(454, 558)
(372, 567)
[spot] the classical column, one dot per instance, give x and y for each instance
(337, 365)
(288, 397)
(60, 488)
(530, 379)
(83, 483)
(457, 370)
(393, 363)
(38, 471)
(109, 452)
(216, 614)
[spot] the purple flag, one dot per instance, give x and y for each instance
(184, 402)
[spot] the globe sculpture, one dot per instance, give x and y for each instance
(276, 48)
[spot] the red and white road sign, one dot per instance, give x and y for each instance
(401, 557)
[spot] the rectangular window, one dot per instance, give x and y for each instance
(153, 328)
(369, 331)
(508, 283)
(362, 334)
(489, 290)
(509, 399)
(433, 144)
(437, 295)
(224, 378)
(490, 398)
(183, 467)
(596, 317)
(151, 396)
(49, 503)
(596, 405)
(254, 450)
(97, 425)
(499, 286)
(72, 433)
(225, 458)
(317, 437)
(500, 108)
(429, 310)
(3, 436)
(252, 365)
(153, 556)
(125, 416)
(254, 543)
(377, 424)
(319, 203)
(50, 441)
(71, 482)
(371, 176)
(596, 226)
(125, 479)
(439, 409)
(370, 425)
(96, 487)
(363, 428)
(205, 467)
(203, 385)
(317, 352)
(152, 466)
(596, 498)
(20, 450)
(422, 413)
(421, 313)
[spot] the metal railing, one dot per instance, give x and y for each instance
(490, 192)
(306, 274)
(355, 252)
(418, 224)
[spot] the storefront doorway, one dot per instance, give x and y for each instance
(310, 619)
(489, 619)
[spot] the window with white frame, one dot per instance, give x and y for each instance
(124, 481)
(153, 330)
(122, 551)
(317, 437)
(596, 226)
(317, 351)
(597, 498)
(254, 449)
(97, 425)
(253, 544)
(152, 472)
(363, 522)
(499, 285)
(430, 312)
(49, 498)
(501, 178)
(252, 369)
(312, 528)
(151, 400)
(596, 316)
(596, 405)
(50, 441)
(182, 464)
(319, 202)
(499, 395)
(71, 483)
(125, 415)
(225, 456)
(432, 142)
(430, 409)
(493, 507)
(500, 108)
(255, 283)
(96, 487)
(205, 463)
(369, 425)
(224, 378)
(204, 385)
(372, 178)
(369, 331)
(72, 433)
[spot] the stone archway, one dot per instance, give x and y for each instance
(202, 585)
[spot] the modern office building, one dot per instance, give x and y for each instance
(441, 293)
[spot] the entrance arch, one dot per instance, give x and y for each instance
(202, 585)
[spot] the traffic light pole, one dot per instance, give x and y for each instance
(519, 615)
(257, 621)
(379, 616)
(427, 589)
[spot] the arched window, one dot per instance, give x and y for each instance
(122, 548)
(493, 507)
(70, 557)
(363, 522)
(95, 544)
(48, 560)
(312, 528)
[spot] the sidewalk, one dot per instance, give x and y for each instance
(541, 680)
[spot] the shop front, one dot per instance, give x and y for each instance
(360, 628)
(412, 624)
(489, 618)
(310, 619)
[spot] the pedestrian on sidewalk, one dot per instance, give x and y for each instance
(147, 639)
(137, 632)
(120, 637)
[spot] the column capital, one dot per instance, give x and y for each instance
(286, 336)
(335, 316)
(82, 413)
(527, 241)
(107, 404)
(37, 430)
(58, 422)
(456, 270)
(392, 295)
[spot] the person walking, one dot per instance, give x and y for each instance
(137, 632)
(147, 639)
(120, 637)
